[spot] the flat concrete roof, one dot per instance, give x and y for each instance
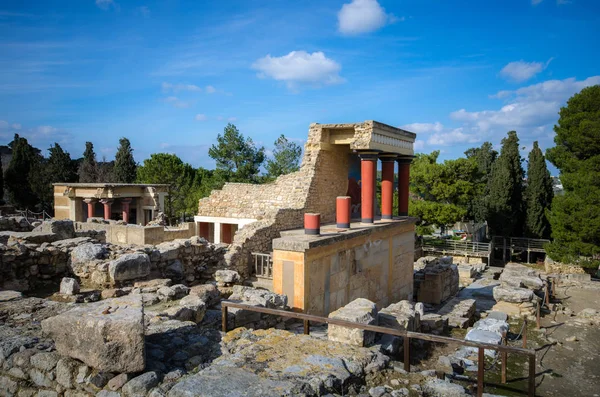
(296, 240)
(110, 184)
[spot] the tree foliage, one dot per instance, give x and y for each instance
(505, 190)
(574, 217)
(124, 170)
(88, 169)
(18, 173)
(164, 168)
(444, 189)
(538, 195)
(60, 166)
(484, 157)
(286, 158)
(237, 157)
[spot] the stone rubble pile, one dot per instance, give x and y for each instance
(435, 279)
(519, 291)
(458, 312)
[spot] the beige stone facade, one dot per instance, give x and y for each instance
(320, 274)
(266, 210)
(134, 203)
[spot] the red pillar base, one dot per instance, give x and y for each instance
(312, 224)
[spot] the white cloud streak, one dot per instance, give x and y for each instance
(520, 71)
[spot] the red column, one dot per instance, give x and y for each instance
(226, 233)
(387, 187)
(368, 163)
(204, 230)
(125, 208)
(90, 206)
(312, 224)
(107, 204)
(403, 180)
(343, 211)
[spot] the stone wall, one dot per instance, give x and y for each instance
(137, 235)
(16, 224)
(435, 279)
(374, 263)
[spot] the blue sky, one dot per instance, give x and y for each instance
(170, 74)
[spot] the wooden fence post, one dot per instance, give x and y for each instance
(224, 317)
(480, 371)
(524, 333)
(406, 353)
(504, 357)
(306, 327)
(531, 376)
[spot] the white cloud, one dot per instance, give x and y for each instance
(106, 4)
(299, 67)
(551, 90)
(362, 16)
(16, 126)
(200, 117)
(520, 71)
(452, 137)
(168, 87)
(46, 129)
(210, 89)
(232, 119)
(423, 128)
(3, 124)
(178, 103)
(419, 144)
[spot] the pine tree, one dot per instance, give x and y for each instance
(538, 195)
(125, 168)
(237, 158)
(505, 190)
(60, 166)
(88, 170)
(17, 175)
(575, 218)
(286, 158)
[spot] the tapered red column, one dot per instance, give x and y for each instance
(107, 204)
(125, 208)
(90, 206)
(387, 187)
(368, 163)
(403, 183)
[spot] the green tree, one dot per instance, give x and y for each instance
(484, 157)
(165, 168)
(237, 157)
(574, 217)
(124, 170)
(88, 170)
(444, 190)
(538, 195)
(60, 166)
(505, 190)
(286, 158)
(18, 174)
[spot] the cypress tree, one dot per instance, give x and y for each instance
(17, 175)
(505, 190)
(125, 168)
(60, 166)
(538, 195)
(575, 218)
(88, 170)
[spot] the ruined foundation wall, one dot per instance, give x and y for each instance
(136, 234)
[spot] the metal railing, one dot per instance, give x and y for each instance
(406, 335)
(530, 244)
(263, 265)
(456, 247)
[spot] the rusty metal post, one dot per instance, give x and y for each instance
(524, 333)
(306, 327)
(407, 353)
(224, 317)
(531, 376)
(480, 371)
(538, 315)
(504, 357)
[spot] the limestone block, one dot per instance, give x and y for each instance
(88, 252)
(361, 311)
(227, 276)
(442, 388)
(466, 271)
(400, 315)
(106, 335)
(512, 295)
(492, 325)
(129, 267)
(478, 335)
(69, 286)
(64, 229)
